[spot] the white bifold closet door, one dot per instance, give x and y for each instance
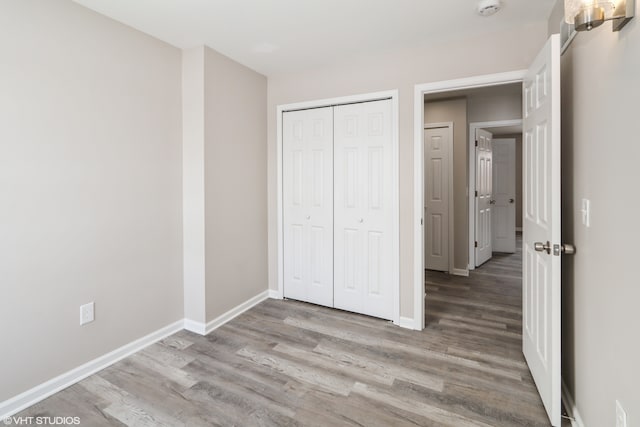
(308, 205)
(363, 215)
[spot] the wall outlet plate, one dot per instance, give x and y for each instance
(621, 415)
(86, 313)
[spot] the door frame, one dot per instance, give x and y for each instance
(420, 90)
(448, 125)
(472, 178)
(331, 102)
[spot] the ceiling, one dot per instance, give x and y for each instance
(278, 36)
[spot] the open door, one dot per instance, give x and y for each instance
(484, 196)
(541, 240)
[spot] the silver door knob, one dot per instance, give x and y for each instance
(511, 200)
(361, 220)
(542, 247)
(308, 217)
(566, 249)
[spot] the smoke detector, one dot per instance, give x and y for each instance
(488, 7)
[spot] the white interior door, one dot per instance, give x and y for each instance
(308, 205)
(437, 167)
(541, 267)
(504, 193)
(363, 216)
(484, 196)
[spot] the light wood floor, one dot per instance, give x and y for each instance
(290, 363)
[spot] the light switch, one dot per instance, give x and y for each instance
(586, 212)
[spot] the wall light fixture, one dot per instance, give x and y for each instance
(589, 14)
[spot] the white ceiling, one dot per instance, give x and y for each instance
(277, 36)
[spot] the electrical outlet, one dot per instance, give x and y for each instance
(86, 313)
(586, 212)
(621, 415)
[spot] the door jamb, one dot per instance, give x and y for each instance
(329, 102)
(472, 179)
(420, 90)
(451, 229)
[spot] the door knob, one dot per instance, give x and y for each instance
(492, 202)
(511, 200)
(542, 247)
(566, 249)
(361, 220)
(308, 217)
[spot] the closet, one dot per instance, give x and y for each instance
(338, 219)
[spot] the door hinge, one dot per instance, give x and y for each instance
(476, 142)
(476, 193)
(476, 244)
(420, 221)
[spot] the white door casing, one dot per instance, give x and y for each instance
(484, 196)
(541, 270)
(308, 205)
(437, 196)
(504, 193)
(363, 214)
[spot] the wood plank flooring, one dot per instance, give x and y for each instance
(286, 363)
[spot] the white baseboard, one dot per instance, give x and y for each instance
(409, 323)
(202, 329)
(46, 389)
(195, 326)
(31, 397)
(571, 408)
(460, 272)
(274, 294)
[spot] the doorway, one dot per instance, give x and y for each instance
(542, 248)
(444, 89)
(498, 129)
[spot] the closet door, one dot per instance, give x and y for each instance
(308, 205)
(363, 219)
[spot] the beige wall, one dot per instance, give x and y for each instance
(193, 196)
(235, 187)
(225, 195)
(455, 110)
(600, 153)
(432, 61)
(90, 188)
(494, 107)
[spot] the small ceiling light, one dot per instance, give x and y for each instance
(586, 15)
(488, 7)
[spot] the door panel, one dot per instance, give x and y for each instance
(308, 205)
(363, 218)
(484, 198)
(541, 270)
(437, 161)
(504, 185)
